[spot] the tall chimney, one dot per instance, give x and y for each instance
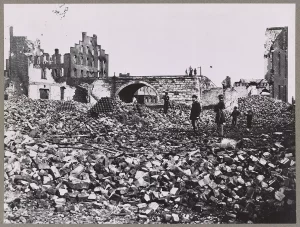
(7, 64)
(11, 31)
(83, 36)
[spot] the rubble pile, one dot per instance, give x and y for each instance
(268, 111)
(133, 163)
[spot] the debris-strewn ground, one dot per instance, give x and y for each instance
(140, 166)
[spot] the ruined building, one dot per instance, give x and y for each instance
(39, 75)
(276, 62)
(32, 72)
(86, 61)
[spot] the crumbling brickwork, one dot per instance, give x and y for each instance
(231, 95)
(87, 59)
(37, 74)
(276, 62)
(210, 96)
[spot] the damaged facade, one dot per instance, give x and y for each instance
(276, 61)
(86, 61)
(32, 72)
(46, 78)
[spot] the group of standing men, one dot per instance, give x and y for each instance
(218, 109)
(191, 71)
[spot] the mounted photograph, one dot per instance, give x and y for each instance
(149, 114)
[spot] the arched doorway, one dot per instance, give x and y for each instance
(126, 92)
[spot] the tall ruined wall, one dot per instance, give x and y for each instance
(19, 65)
(210, 97)
(276, 62)
(231, 96)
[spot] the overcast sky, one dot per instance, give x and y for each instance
(162, 39)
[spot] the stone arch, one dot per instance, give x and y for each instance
(134, 85)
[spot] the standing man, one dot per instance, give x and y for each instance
(195, 112)
(220, 116)
(235, 113)
(195, 72)
(191, 71)
(249, 116)
(166, 102)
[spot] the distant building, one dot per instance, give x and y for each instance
(124, 74)
(253, 86)
(276, 62)
(259, 83)
(146, 95)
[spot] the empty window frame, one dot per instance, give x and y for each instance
(286, 66)
(44, 76)
(279, 64)
(75, 59)
(44, 93)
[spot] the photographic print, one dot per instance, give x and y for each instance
(149, 114)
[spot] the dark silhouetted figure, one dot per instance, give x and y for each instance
(166, 102)
(191, 71)
(235, 113)
(195, 112)
(220, 116)
(249, 116)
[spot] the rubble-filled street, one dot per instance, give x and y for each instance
(63, 166)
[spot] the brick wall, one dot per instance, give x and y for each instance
(210, 97)
(231, 95)
(54, 91)
(179, 88)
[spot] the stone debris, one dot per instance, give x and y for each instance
(152, 165)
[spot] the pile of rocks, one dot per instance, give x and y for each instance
(137, 163)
